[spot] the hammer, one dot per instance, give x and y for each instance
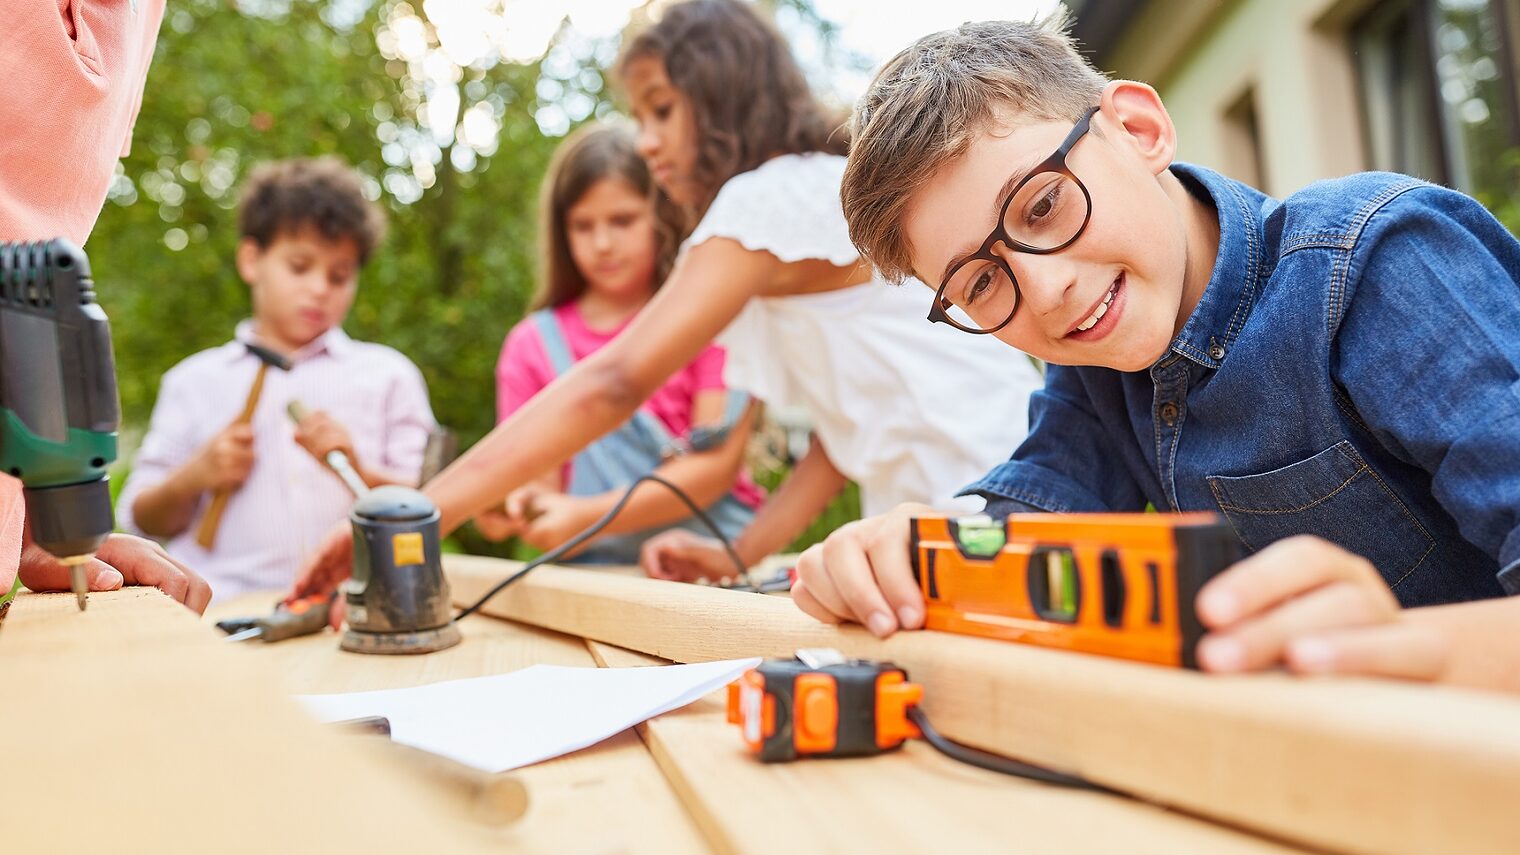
(205, 535)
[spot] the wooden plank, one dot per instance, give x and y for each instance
(129, 728)
(1354, 765)
(616, 782)
(912, 800)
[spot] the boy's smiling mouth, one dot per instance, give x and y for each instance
(1103, 316)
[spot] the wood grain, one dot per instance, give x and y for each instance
(912, 800)
(610, 797)
(1351, 765)
(129, 728)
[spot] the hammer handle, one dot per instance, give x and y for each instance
(205, 535)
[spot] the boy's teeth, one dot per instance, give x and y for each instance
(1098, 315)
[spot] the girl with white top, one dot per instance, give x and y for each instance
(909, 410)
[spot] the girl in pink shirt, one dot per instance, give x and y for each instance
(605, 251)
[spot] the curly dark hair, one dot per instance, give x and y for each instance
(748, 95)
(285, 196)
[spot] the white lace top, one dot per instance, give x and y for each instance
(909, 410)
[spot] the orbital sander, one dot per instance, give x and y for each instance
(398, 599)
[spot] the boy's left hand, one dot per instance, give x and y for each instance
(556, 517)
(1310, 606)
(320, 433)
(122, 560)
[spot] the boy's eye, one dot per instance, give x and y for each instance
(623, 221)
(978, 282)
(1045, 204)
(662, 112)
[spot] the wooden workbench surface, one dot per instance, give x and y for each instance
(209, 775)
(913, 801)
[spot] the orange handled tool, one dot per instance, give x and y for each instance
(205, 534)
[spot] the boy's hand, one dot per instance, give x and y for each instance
(681, 556)
(320, 433)
(1311, 606)
(519, 505)
(225, 462)
(122, 560)
(553, 518)
(326, 568)
(496, 525)
(862, 573)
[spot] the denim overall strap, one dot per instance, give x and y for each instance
(634, 449)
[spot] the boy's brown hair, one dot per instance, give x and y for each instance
(592, 153)
(927, 105)
(286, 196)
(749, 97)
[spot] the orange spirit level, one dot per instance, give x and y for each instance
(1118, 585)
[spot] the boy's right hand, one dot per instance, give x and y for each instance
(225, 462)
(862, 573)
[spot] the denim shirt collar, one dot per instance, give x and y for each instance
(1221, 312)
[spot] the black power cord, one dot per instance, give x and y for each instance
(595, 528)
(993, 762)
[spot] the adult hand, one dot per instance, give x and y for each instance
(683, 556)
(862, 573)
(1310, 606)
(122, 560)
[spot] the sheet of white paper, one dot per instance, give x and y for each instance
(510, 720)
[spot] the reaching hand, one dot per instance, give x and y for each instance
(681, 556)
(1314, 608)
(862, 573)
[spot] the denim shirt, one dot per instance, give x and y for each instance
(1351, 371)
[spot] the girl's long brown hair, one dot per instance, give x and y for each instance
(748, 96)
(590, 154)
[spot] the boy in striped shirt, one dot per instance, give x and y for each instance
(307, 229)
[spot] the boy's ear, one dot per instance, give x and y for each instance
(248, 253)
(1136, 109)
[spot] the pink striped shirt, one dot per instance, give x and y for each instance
(290, 501)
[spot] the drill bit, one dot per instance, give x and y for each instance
(76, 578)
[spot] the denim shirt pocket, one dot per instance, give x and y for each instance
(1334, 495)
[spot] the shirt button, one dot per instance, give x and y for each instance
(1169, 413)
(1216, 352)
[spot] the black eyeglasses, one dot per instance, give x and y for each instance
(1045, 213)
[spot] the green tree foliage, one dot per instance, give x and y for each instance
(229, 89)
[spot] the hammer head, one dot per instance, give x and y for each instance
(269, 357)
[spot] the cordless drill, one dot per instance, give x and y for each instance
(59, 413)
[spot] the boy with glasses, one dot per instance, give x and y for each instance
(1338, 372)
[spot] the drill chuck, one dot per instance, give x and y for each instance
(72, 520)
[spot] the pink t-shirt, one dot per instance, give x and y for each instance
(524, 369)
